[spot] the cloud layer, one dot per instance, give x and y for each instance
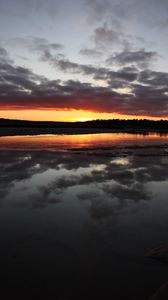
(127, 90)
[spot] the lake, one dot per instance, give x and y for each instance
(78, 213)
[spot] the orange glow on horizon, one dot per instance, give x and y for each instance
(66, 115)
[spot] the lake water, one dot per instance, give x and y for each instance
(78, 214)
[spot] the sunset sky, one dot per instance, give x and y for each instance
(75, 60)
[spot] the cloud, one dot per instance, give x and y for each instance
(15, 80)
(154, 79)
(4, 56)
(3, 53)
(45, 49)
(105, 36)
(91, 52)
(140, 58)
(60, 62)
(20, 88)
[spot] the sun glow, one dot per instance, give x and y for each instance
(84, 119)
(66, 115)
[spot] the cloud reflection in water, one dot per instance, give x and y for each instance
(107, 184)
(81, 213)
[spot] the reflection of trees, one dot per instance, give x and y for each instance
(107, 184)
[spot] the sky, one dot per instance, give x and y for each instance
(76, 60)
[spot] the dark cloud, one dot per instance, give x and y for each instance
(20, 88)
(140, 58)
(154, 79)
(122, 77)
(15, 80)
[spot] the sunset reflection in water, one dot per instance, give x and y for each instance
(40, 142)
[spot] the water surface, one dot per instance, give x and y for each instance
(78, 213)
(60, 142)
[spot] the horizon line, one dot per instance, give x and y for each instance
(86, 121)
